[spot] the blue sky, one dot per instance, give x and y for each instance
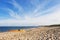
(29, 12)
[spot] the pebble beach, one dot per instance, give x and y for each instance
(40, 33)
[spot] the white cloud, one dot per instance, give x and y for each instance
(39, 6)
(48, 10)
(16, 5)
(53, 17)
(13, 13)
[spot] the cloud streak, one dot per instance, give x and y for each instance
(39, 7)
(14, 14)
(51, 17)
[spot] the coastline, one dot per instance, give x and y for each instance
(40, 33)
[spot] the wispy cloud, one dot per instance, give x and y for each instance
(39, 6)
(51, 17)
(14, 14)
(17, 5)
(47, 10)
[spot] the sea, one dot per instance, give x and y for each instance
(7, 28)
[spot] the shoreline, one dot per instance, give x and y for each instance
(40, 33)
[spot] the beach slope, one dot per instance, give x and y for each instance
(40, 33)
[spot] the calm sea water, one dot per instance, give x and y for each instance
(6, 28)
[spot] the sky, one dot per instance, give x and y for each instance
(29, 12)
